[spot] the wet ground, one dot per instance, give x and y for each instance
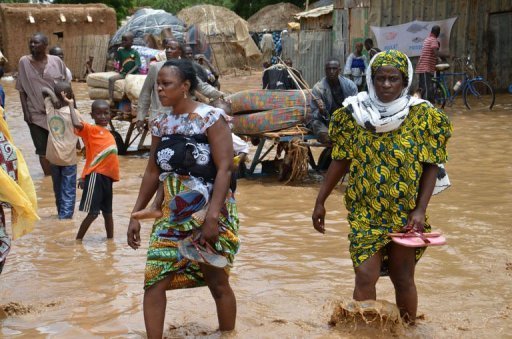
(286, 276)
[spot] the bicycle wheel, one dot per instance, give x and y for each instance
(479, 94)
(440, 95)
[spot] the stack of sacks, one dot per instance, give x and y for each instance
(98, 86)
(132, 86)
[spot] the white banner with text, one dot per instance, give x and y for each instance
(409, 37)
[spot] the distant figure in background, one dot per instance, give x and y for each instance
(36, 71)
(196, 39)
(57, 51)
(267, 46)
(88, 66)
(426, 66)
(418, 93)
(355, 67)
(3, 59)
(210, 70)
(368, 45)
(129, 62)
(200, 72)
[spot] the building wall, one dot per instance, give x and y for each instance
(309, 50)
(474, 32)
(16, 29)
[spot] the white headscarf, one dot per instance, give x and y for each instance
(371, 113)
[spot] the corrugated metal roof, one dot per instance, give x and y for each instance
(315, 13)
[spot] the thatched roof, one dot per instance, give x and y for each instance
(227, 34)
(273, 17)
(211, 20)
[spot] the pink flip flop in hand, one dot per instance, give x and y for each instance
(418, 239)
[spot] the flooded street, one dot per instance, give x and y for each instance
(287, 275)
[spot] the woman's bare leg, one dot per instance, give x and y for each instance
(155, 301)
(367, 275)
(218, 282)
(402, 263)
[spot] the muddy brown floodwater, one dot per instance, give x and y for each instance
(286, 276)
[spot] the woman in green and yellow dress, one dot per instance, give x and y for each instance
(393, 147)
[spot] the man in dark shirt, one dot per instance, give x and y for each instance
(328, 95)
(368, 45)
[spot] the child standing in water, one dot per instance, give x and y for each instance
(101, 166)
(61, 147)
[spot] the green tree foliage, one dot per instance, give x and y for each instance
(122, 7)
(18, 1)
(246, 8)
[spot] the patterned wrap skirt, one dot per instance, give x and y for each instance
(366, 239)
(163, 257)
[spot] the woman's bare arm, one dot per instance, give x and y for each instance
(221, 145)
(416, 219)
(336, 171)
(147, 189)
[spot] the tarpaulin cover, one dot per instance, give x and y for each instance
(149, 21)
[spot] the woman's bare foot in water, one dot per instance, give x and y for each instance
(148, 213)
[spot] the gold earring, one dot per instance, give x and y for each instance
(184, 95)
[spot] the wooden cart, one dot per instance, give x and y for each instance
(266, 142)
(132, 133)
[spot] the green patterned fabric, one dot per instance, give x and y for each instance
(393, 58)
(385, 172)
(163, 257)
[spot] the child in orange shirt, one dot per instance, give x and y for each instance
(101, 166)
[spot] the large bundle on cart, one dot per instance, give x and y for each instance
(260, 111)
(149, 27)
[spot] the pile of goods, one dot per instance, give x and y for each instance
(124, 89)
(260, 111)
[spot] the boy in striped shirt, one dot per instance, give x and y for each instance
(101, 166)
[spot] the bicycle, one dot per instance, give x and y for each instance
(476, 91)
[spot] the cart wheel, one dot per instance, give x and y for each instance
(325, 159)
(121, 147)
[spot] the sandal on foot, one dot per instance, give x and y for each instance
(193, 250)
